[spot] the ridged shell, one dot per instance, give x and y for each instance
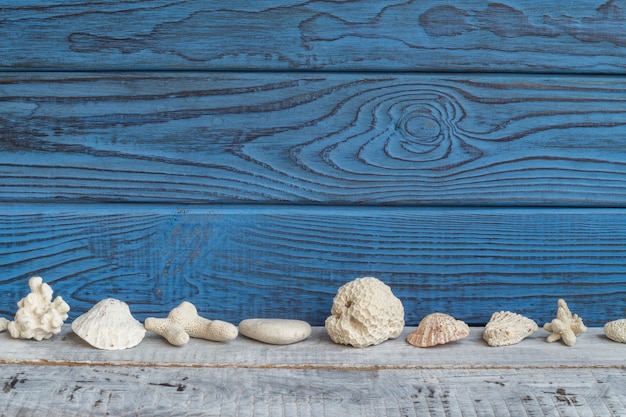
(507, 328)
(109, 325)
(616, 330)
(438, 329)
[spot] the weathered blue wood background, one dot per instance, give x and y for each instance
(253, 157)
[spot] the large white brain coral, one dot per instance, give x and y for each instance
(38, 317)
(365, 312)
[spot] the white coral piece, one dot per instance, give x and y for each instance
(38, 317)
(4, 323)
(616, 330)
(364, 313)
(565, 326)
(507, 328)
(184, 322)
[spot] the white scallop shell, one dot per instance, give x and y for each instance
(507, 328)
(438, 329)
(616, 330)
(109, 325)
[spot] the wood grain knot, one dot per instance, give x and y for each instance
(415, 127)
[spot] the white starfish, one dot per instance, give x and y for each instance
(565, 326)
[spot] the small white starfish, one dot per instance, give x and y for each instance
(565, 326)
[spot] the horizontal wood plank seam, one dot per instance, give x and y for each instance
(337, 367)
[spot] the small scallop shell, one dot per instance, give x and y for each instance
(438, 329)
(109, 325)
(507, 328)
(616, 330)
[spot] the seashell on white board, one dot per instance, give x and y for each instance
(109, 325)
(616, 330)
(507, 328)
(438, 329)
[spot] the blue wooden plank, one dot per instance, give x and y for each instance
(236, 262)
(522, 35)
(464, 139)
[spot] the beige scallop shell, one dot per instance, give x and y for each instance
(109, 325)
(616, 330)
(438, 329)
(507, 328)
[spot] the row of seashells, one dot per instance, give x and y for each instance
(503, 329)
(365, 312)
(109, 324)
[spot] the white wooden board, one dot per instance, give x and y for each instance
(592, 349)
(101, 390)
(64, 377)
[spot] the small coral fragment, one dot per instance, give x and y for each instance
(616, 330)
(38, 317)
(438, 329)
(184, 322)
(507, 328)
(565, 326)
(364, 313)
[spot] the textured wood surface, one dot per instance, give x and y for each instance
(240, 262)
(314, 378)
(470, 154)
(344, 143)
(314, 138)
(522, 35)
(592, 350)
(100, 391)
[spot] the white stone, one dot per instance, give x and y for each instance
(275, 331)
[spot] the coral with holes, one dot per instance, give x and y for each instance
(364, 313)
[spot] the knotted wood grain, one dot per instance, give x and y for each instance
(467, 140)
(558, 36)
